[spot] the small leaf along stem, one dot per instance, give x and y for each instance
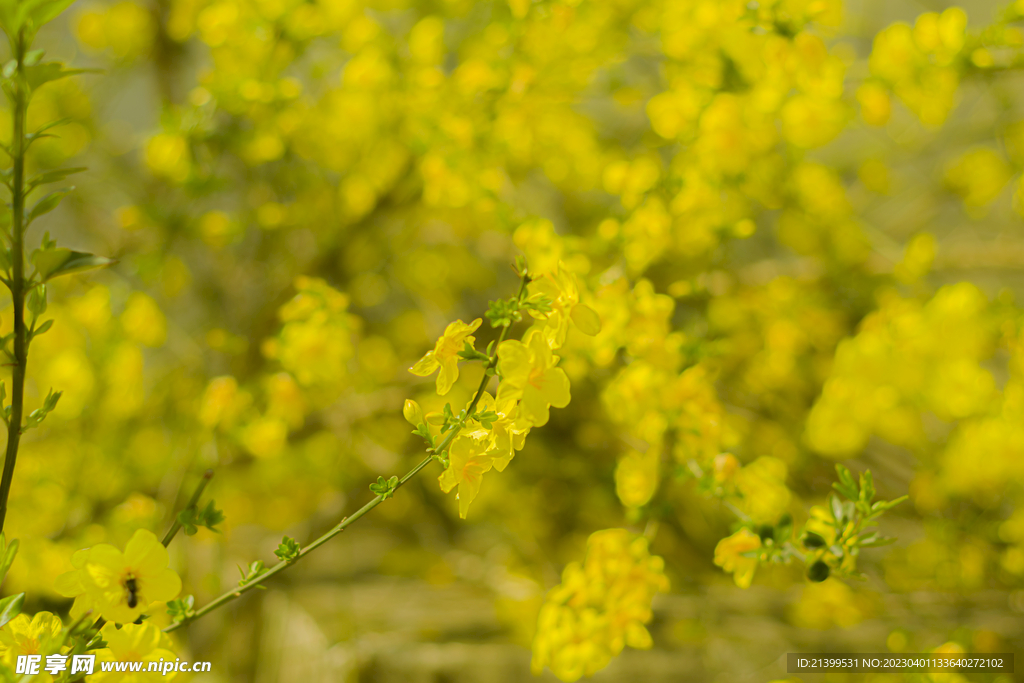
(256, 581)
(17, 285)
(192, 502)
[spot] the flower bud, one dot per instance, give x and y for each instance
(412, 412)
(818, 572)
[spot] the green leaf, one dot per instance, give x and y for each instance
(837, 509)
(41, 74)
(210, 517)
(876, 541)
(37, 300)
(10, 607)
(47, 204)
(44, 11)
(186, 518)
(846, 485)
(254, 570)
(7, 552)
(181, 609)
(36, 417)
(54, 124)
(43, 329)
(883, 505)
(51, 263)
(54, 176)
(867, 486)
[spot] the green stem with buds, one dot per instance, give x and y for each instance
(17, 284)
(229, 596)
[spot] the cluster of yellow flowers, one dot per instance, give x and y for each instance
(315, 341)
(42, 634)
(495, 427)
(907, 358)
(917, 63)
(600, 607)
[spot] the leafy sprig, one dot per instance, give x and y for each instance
(251, 573)
(385, 488)
(289, 549)
(191, 518)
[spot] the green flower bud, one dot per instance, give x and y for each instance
(818, 571)
(813, 541)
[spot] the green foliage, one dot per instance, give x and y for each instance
(288, 550)
(8, 551)
(385, 488)
(54, 262)
(182, 608)
(36, 417)
(10, 607)
(25, 17)
(191, 518)
(252, 572)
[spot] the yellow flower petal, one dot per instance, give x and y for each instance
(145, 554)
(586, 319)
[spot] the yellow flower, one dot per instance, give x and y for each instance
(134, 643)
(729, 556)
(469, 458)
(528, 374)
(762, 485)
(70, 585)
(122, 585)
(38, 635)
(446, 354)
(636, 476)
(562, 290)
(507, 433)
(316, 340)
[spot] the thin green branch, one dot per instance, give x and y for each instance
(192, 502)
(281, 566)
(232, 595)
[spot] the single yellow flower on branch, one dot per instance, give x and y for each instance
(446, 354)
(469, 459)
(120, 585)
(528, 374)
